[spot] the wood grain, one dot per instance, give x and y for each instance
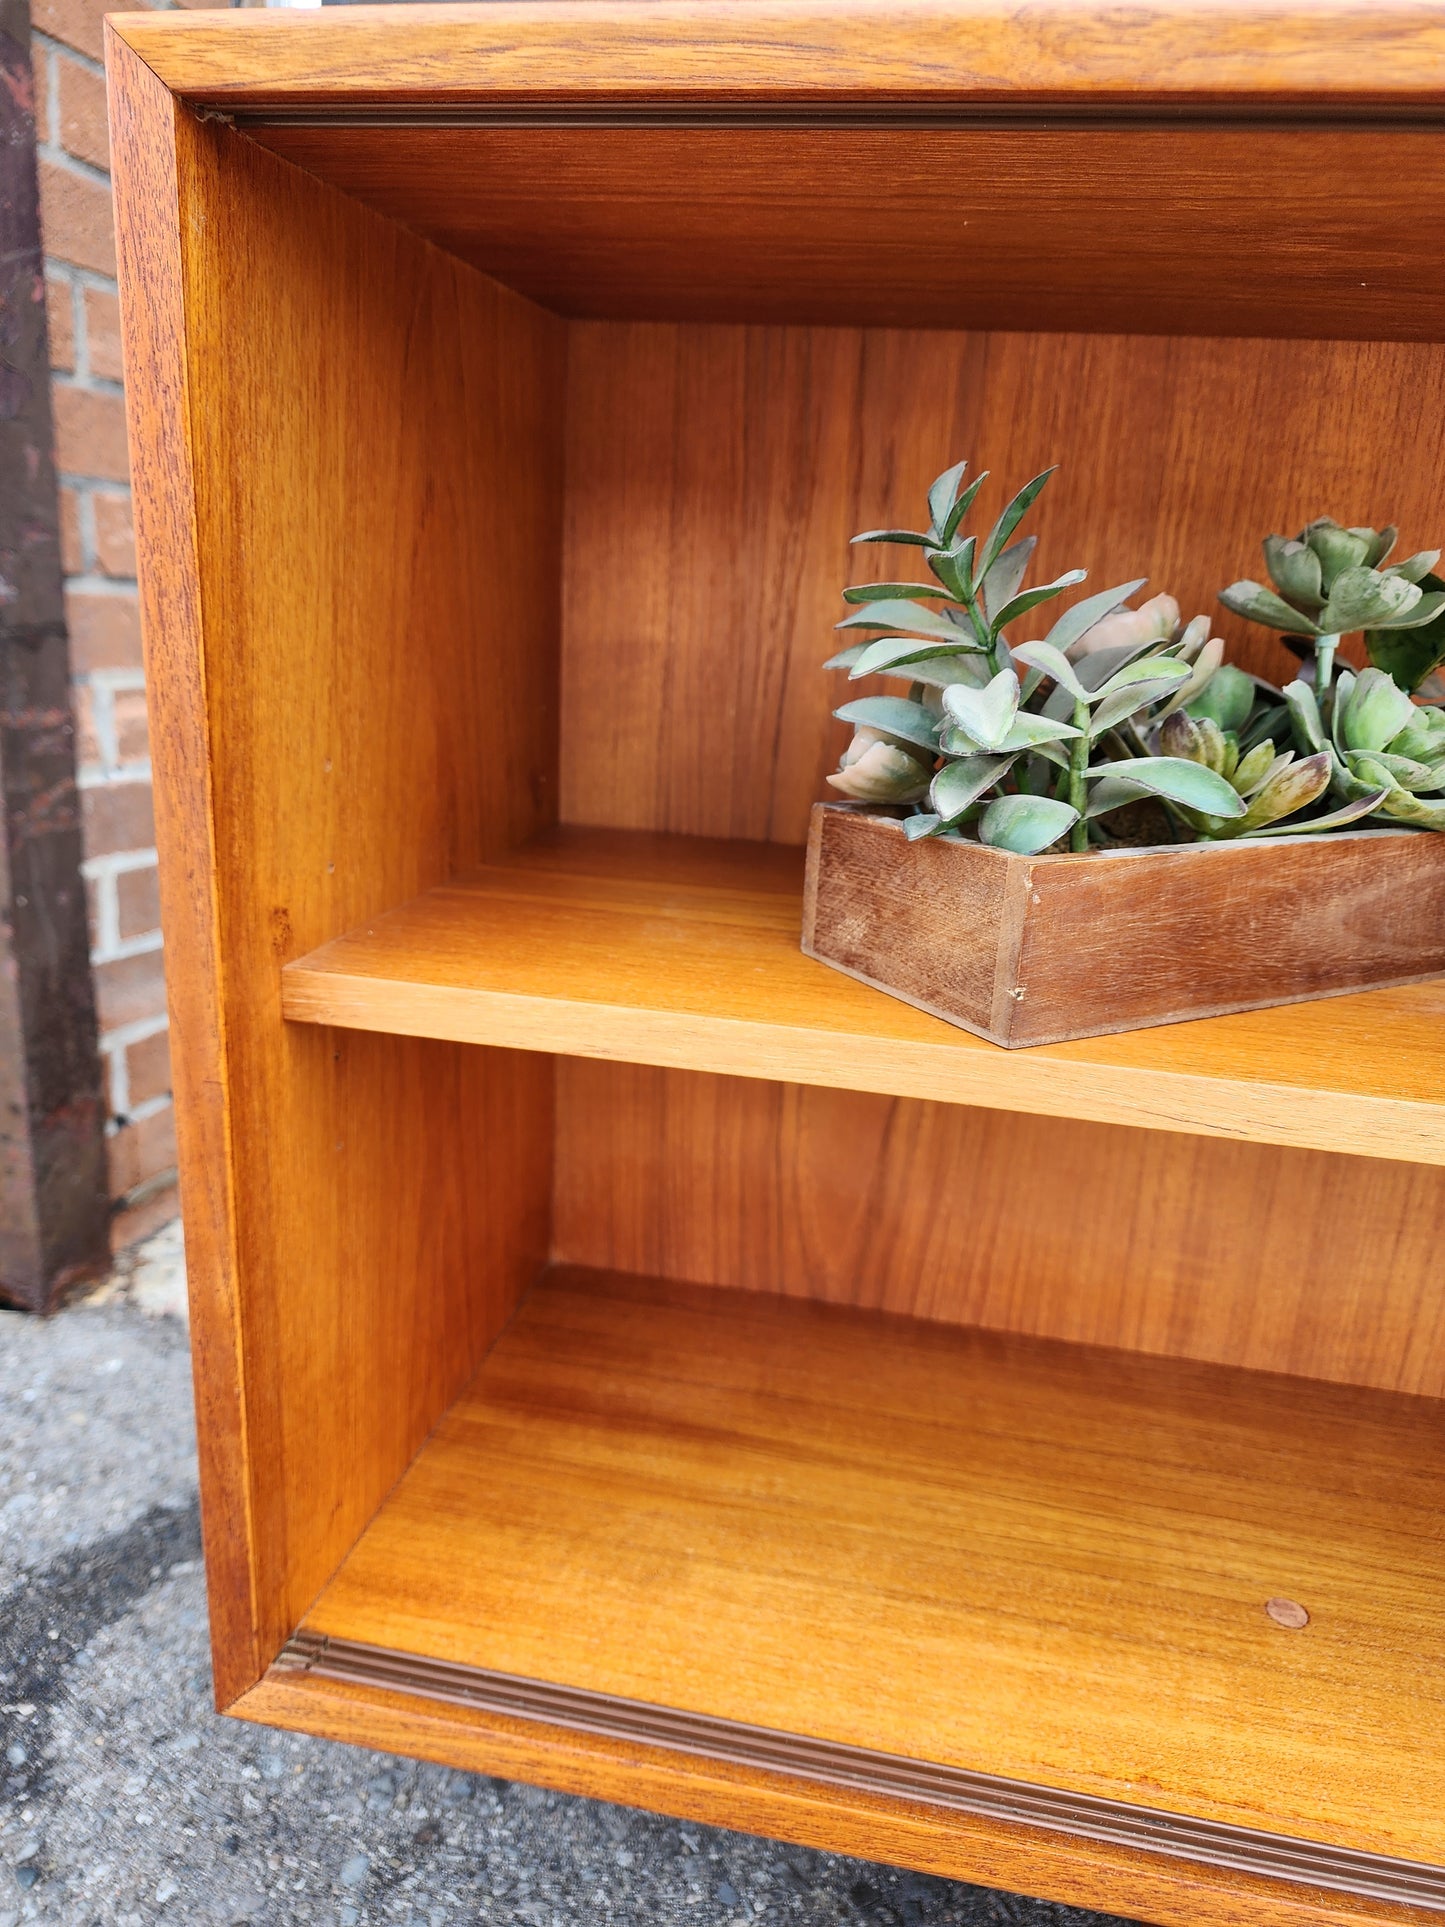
(795, 50)
(1037, 950)
(957, 1847)
(1039, 1561)
(342, 501)
(1278, 1260)
(677, 952)
(1089, 227)
(719, 472)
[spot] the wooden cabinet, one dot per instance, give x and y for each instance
(631, 1355)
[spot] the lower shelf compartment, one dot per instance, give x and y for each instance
(942, 1564)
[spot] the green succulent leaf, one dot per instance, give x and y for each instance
(1048, 661)
(893, 652)
(958, 784)
(1005, 578)
(1254, 769)
(1403, 770)
(1292, 786)
(910, 618)
(894, 592)
(953, 568)
(984, 714)
(1026, 731)
(915, 828)
(1415, 567)
(1227, 697)
(948, 528)
(1004, 527)
(1406, 808)
(1191, 784)
(1112, 793)
(943, 494)
(1031, 598)
(1078, 620)
(937, 671)
(1127, 700)
(1294, 568)
(1260, 604)
(1376, 711)
(1424, 611)
(1339, 550)
(1410, 655)
(1423, 737)
(894, 716)
(1336, 819)
(846, 658)
(1026, 824)
(1363, 598)
(904, 537)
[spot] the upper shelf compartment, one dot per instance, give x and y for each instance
(684, 952)
(1186, 170)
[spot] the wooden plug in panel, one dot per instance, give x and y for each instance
(1279, 1260)
(683, 952)
(343, 501)
(730, 466)
(984, 1555)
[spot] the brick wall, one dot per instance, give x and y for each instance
(98, 547)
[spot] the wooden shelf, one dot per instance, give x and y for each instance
(684, 952)
(987, 1554)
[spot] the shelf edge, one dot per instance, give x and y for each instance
(1313, 1120)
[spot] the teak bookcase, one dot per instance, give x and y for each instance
(631, 1355)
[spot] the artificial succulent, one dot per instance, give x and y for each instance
(1025, 744)
(1331, 582)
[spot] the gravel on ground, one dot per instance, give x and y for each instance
(125, 1800)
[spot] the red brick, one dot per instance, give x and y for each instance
(83, 130)
(148, 1068)
(114, 534)
(76, 219)
(138, 1221)
(102, 334)
(117, 816)
(76, 22)
(129, 990)
(92, 910)
(132, 734)
(87, 741)
(138, 895)
(142, 1151)
(90, 434)
(60, 325)
(72, 549)
(104, 632)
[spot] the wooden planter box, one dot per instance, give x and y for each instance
(629, 1354)
(1036, 950)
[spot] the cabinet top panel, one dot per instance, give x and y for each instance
(1175, 169)
(799, 52)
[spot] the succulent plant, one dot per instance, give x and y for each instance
(1021, 744)
(1331, 581)
(1385, 752)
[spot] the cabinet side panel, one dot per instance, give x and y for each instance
(1244, 1254)
(363, 696)
(719, 472)
(150, 141)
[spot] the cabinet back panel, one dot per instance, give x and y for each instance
(1293, 1261)
(715, 474)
